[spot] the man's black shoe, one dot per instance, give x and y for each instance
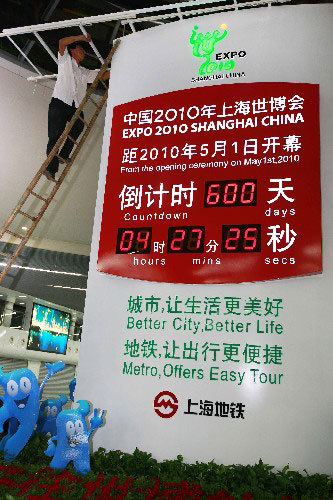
(49, 175)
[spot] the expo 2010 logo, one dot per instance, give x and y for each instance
(165, 404)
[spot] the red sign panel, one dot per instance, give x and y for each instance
(217, 184)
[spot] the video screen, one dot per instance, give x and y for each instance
(49, 330)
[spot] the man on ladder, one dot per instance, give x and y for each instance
(69, 90)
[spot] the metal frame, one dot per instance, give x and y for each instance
(176, 11)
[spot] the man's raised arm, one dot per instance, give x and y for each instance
(63, 42)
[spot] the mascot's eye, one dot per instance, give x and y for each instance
(70, 428)
(47, 411)
(25, 385)
(12, 388)
(79, 426)
(54, 411)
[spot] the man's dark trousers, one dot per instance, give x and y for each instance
(59, 114)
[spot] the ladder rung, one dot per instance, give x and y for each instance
(14, 234)
(94, 102)
(5, 254)
(39, 196)
(104, 84)
(73, 140)
(82, 120)
(31, 217)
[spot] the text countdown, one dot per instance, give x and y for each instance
(213, 187)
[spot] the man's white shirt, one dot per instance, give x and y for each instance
(72, 80)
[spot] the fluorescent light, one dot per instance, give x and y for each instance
(3, 264)
(67, 287)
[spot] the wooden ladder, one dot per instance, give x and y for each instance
(30, 194)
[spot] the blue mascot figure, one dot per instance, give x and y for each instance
(73, 438)
(12, 428)
(48, 412)
(21, 406)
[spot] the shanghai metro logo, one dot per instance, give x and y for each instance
(165, 404)
(204, 46)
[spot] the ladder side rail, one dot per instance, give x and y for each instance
(82, 140)
(57, 185)
(52, 194)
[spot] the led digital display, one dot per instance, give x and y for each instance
(239, 238)
(134, 240)
(205, 186)
(186, 239)
(232, 193)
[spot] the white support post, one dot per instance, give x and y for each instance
(34, 366)
(24, 55)
(114, 31)
(8, 311)
(72, 325)
(46, 47)
(180, 14)
(92, 45)
(131, 23)
(41, 77)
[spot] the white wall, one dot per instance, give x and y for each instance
(290, 423)
(23, 139)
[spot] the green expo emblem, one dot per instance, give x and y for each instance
(204, 46)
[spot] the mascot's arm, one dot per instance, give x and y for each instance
(4, 415)
(72, 386)
(96, 421)
(52, 368)
(41, 416)
(50, 451)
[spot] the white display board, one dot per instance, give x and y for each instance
(287, 403)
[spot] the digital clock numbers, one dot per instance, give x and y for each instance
(233, 193)
(236, 238)
(240, 238)
(186, 239)
(134, 240)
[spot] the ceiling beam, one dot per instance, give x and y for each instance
(124, 15)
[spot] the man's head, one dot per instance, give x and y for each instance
(77, 51)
